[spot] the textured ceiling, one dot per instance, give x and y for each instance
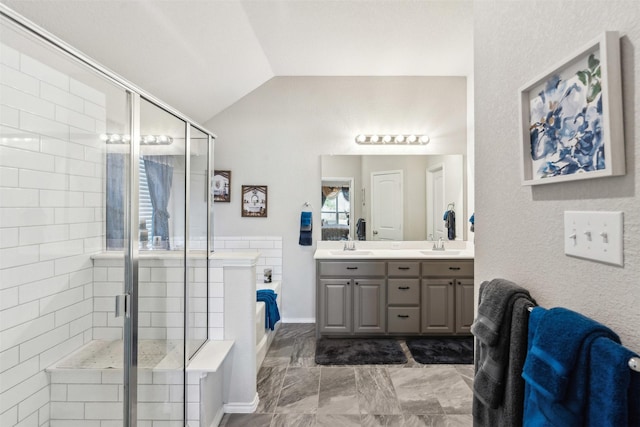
(200, 56)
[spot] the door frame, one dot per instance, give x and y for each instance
(430, 172)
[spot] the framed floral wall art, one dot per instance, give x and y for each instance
(572, 124)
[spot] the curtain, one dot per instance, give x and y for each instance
(328, 193)
(115, 200)
(345, 193)
(159, 170)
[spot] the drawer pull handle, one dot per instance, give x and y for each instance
(403, 288)
(403, 316)
(352, 268)
(454, 268)
(403, 268)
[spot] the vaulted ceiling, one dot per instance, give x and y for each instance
(201, 56)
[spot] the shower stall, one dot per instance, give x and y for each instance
(105, 213)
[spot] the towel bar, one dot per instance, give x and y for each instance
(634, 362)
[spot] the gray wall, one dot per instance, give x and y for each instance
(519, 229)
(275, 136)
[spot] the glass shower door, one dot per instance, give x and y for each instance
(161, 296)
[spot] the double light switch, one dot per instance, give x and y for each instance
(594, 235)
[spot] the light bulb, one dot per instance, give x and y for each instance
(374, 138)
(104, 137)
(386, 139)
(399, 139)
(411, 139)
(424, 139)
(361, 139)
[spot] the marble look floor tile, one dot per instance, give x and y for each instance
(327, 420)
(304, 353)
(462, 420)
(452, 391)
(300, 391)
(375, 391)
(281, 347)
(293, 420)
(246, 420)
(275, 362)
(269, 385)
(296, 330)
(370, 420)
(413, 391)
(467, 372)
(338, 392)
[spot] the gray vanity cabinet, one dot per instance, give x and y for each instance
(351, 297)
(403, 298)
(447, 297)
(369, 306)
(394, 297)
(334, 306)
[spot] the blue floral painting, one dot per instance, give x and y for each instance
(565, 123)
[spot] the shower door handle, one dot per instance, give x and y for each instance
(122, 305)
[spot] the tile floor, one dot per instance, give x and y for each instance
(295, 392)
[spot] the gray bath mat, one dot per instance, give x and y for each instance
(442, 350)
(359, 351)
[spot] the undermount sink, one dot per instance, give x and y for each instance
(350, 253)
(446, 252)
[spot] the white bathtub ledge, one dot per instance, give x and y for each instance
(210, 357)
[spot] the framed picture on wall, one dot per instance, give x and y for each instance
(221, 186)
(254, 201)
(571, 117)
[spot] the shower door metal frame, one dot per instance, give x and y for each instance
(131, 262)
(131, 255)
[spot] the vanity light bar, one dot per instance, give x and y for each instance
(115, 138)
(410, 139)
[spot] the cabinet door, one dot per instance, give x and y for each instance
(464, 305)
(335, 306)
(369, 311)
(438, 306)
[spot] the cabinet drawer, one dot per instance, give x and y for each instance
(404, 291)
(449, 268)
(352, 269)
(404, 269)
(403, 320)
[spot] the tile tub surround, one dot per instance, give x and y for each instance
(293, 390)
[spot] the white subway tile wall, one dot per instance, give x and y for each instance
(51, 203)
(270, 248)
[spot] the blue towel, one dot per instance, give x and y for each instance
(556, 370)
(615, 389)
(272, 314)
(306, 229)
(450, 219)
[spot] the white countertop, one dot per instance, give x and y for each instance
(394, 250)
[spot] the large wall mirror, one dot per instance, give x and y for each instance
(392, 197)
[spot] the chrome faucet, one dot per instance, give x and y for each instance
(439, 245)
(349, 245)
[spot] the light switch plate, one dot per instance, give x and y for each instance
(594, 235)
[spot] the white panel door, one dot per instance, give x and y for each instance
(386, 205)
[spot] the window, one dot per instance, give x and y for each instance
(145, 208)
(335, 206)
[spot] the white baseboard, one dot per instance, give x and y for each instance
(242, 407)
(218, 417)
(299, 320)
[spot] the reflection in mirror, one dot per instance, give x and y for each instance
(336, 208)
(412, 196)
